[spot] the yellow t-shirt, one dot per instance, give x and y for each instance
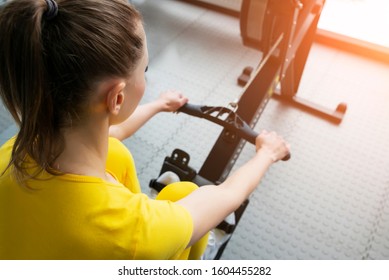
(82, 217)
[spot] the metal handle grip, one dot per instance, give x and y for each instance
(234, 123)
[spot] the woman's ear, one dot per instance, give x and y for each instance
(115, 97)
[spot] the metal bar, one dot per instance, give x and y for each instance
(264, 60)
(334, 116)
(227, 147)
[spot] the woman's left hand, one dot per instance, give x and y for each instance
(171, 100)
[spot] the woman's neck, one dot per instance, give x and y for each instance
(85, 151)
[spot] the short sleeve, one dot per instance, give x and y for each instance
(164, 230)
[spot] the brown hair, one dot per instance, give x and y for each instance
(48, 67)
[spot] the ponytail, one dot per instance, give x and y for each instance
(23, 85)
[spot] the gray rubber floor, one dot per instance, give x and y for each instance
(331, 200)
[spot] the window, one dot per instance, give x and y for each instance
(366, 20)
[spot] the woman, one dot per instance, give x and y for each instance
(72, 75)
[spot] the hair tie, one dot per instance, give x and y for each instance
(52, 9)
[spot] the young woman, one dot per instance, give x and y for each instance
(72, 75)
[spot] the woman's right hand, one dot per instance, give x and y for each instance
(272, 144)
(223, 199)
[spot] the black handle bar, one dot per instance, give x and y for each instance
(224, 117)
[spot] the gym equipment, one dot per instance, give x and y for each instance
(283, 30)
(297, 21)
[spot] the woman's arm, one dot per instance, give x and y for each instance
(169, 101)
(209, 205)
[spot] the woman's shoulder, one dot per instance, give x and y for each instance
(5, 153)
(117, 147)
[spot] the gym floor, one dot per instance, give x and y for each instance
(331, 200)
